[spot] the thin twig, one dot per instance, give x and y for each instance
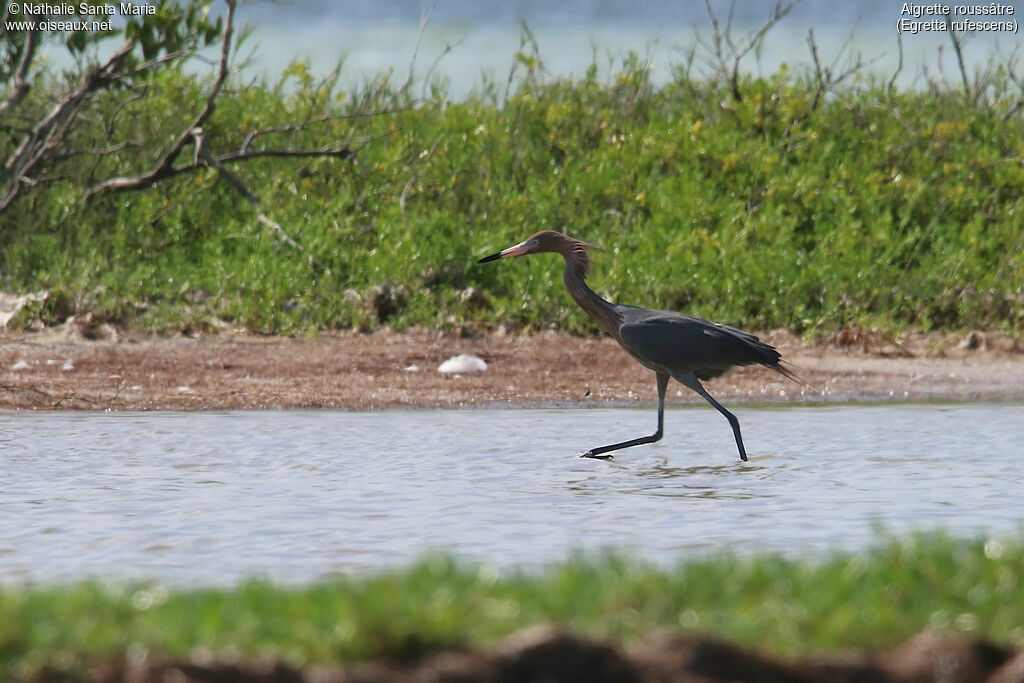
(1013, 110)
(820, 75)
(295, 127)
(959, 55)
(236, 184)
(728, 53)
(899, 65)
(433, 66)
(97, 151)
(829, 77)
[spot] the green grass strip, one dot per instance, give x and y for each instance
(777, 604)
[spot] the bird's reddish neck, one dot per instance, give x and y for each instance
(575, 277)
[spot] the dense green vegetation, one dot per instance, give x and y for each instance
(781, 605)
(866, 206)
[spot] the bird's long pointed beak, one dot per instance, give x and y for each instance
(517, 250)
(492, 257)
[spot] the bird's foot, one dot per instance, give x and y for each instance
(590, 454)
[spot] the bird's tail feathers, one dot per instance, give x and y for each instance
(785, 368)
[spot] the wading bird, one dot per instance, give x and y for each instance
(671, 344)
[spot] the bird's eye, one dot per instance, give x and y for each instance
(535, 243)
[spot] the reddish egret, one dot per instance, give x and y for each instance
(671, 344)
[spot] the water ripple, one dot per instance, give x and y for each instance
(215, 497)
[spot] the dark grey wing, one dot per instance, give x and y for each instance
(686, 343)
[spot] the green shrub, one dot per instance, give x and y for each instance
(868, 207)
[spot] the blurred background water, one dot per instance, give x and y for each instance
(374, 37)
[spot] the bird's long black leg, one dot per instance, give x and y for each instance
(656, 436)
(690, 381)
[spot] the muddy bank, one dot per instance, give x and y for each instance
(543, 653)
(80, 368)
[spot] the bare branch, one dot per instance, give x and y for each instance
(326, 152)
(48, 132)
(145, 180)
(727, 53)
(240, 187)
(50, 138)
(20, 85)
(828, 78)
(230, 177)
(165, 166)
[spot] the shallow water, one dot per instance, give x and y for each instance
(215, 497)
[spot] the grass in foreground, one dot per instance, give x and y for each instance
(786, 606)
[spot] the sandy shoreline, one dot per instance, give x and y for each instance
(62, 369)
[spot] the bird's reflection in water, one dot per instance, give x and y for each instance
(663, 476)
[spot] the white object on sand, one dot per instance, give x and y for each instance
(462, 363)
